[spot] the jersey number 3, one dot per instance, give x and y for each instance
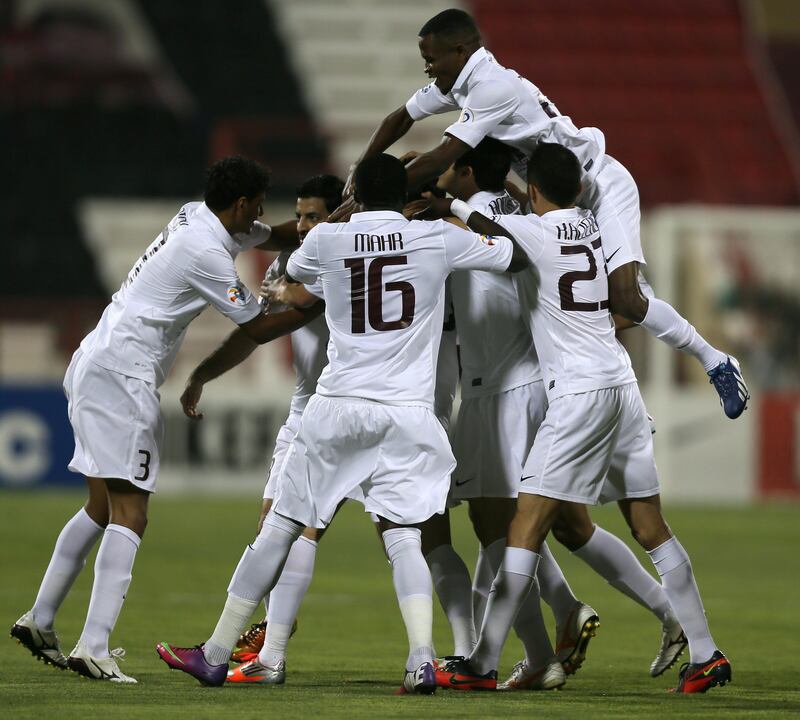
(366, 294)
(566, 281)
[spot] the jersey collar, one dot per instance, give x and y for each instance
(479, 55)
(376, 215)
(218, 229)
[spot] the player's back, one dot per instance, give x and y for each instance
(565, 297)
(383, 280)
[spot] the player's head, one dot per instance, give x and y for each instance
(317, 198)
(554, 177)
(485, 167)
(235, 189)
(380, 182)
(446, 42)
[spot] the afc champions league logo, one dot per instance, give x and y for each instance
(466, 115)
(236, 295)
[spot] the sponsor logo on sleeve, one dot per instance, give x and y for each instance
(488, 239)
(236, 295)
(466, 115)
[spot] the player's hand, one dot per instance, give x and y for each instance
(276, 291)
(190, 398)
(409, 156)
(343, 212)
(437, 208)
(415, 207)
(349, 184)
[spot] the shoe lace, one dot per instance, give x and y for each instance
(255, 630)
(724, 381)
(117, 653)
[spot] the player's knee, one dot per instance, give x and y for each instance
(570, 537)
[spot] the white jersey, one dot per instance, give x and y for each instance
(186, 268)
(498, 103)
(497, 350)
(565, 298)
(383, 280)
(309, 343)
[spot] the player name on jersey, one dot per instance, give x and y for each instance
(569, 231)
(364, 242)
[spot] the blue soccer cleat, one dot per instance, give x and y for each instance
(728, 381)
(193, 662)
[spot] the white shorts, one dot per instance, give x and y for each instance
(282, 441)
(613, 198)
(492, 439)
(117, 424)
(396, 460)
(594, 447)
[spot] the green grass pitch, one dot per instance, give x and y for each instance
(347, 657)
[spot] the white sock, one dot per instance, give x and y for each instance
(286, 598)
(412, 583)
(73, 546)
(112, 577)
(481, 585)
(675, 569)
(614, 561)
(553, 586)
(452, 583)
(663, 321)
(510, 587)
(257, 573)
(266, 605)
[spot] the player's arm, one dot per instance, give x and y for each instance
(283, 292)
(281, 237)
(625, 297)
(432, 164)
(391, 129)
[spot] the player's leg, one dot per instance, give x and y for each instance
(707, 666)
(614, 561)
(614, 199)
(451, 580)
(34, 629)
(112, 577)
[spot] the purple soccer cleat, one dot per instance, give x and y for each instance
(192, 661)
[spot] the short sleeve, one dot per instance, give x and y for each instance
(466, 250)
(213, 276)
(260, 234)
(528, 231)
(303, 264)
(485, 107)
(429, 101)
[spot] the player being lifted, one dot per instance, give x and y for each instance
(370, 427)
(112, 389)
(497, 102)
(595, 443)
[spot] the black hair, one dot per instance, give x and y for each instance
(429, 187)
(327, 187)
(231, 178)
(380, 181)
(556, 172)
(452, 24)
(490, 161)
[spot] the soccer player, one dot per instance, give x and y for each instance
(497, 102)
(369, 428)
(595, 443)
(111, 386)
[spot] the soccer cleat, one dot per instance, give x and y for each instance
(439, 665)
(728, 381)
(700, 677)
(547, 677)
(193, 662)
(253, 672)
(572, 639)
(673, 643)
(43, 644)
(251, 641)
(460, 675)
(421, 681)
(81, 662)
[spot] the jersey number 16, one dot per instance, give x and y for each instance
(366, 294)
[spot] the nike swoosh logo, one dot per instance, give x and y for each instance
(608, 259)
(526, 477)
(453, 681)
(459, 483)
